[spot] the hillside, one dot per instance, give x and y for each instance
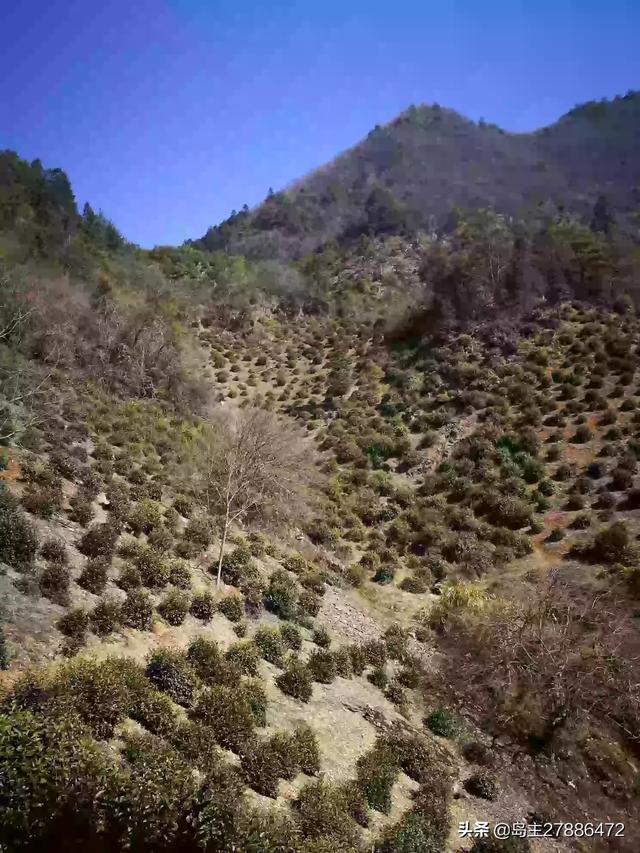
(410, 174)
(336, 554)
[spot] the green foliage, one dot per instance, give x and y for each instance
(443, 722)
(321, 637)
(238, 567)
(145, 516)
(170, 672)
(54, 583)
(270, 645)
(210, 665)
(281, 596)
(322, 812)
(100, 540)
(322, 666)
(105, 617)
(18, 542)
(483, 784)
(376, 773)
(203, 606)
(244, 657)
(74, 623)
(309, 602)
(232, 606)
(174, 607)
(296, 680)
(94, 575)
(137, 610)
(228, 712)
(291, 636)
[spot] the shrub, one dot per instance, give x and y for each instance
(237, 567)
(611, 544)
(261, 767)
(378, 677)
(583, 434)
(244, 657)
(227, 711)
(161, 540)
(101, 692)
(170, 672)
(54, 583)
(321, 637)
(180, 574)
(100, 540)
(376, 773)
(155, 712)
(196, 742)
(483, 784)
(199, 532)
(414, 755)
(93, 577)
(384, 575)
(281, 596)
(82, 510)
(443, 723)
(358, 657)
(309, 602)
(375, 652)
(291, 636)
(322, 813)
(183, 505)
(174, 607)
(74, 623)
(153, 570)
(254, 691)
(54, 551)
(396, 694)
(18, 543)
(105, 617)
(43, 500)
(145, 516)
(296, 680)
(342, 658)
(232, 606)
(137, 610)
(396, 639)
(203, 606)
(240, 628)
(129, 578)
(307, 753)
(322, 666)
(270, 645)
(207, 661)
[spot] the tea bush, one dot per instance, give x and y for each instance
(137, 610)
(244, 657)
(322, 666)
(18, 542)
(105, 617)
(270, 645)
(54, 583)
(170, 672)
(203, 606)
(281, 595)
(174, 607)
(232, 606)
(227, 711)
(376, 773)
(296, 680)
(94, 575)
(210, 665)
(291, 636)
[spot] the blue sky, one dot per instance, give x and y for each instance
(166, 114)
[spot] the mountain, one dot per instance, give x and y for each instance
(409, 174)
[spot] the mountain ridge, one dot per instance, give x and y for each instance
(381, 185)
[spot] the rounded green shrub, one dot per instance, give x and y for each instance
(170, 672)
(322, 666)
(174, 607)
(270, 645)
(203, 606)
(137, 610)
(232, 606)
(296, 680)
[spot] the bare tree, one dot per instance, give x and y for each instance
(254, 466)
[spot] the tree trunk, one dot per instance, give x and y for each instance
(223, 541)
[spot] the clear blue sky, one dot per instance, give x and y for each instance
(166, 114)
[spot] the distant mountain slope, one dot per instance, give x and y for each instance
(410, 173)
